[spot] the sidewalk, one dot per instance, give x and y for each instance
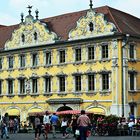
(30, 136)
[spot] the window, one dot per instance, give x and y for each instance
(77, 54)
(22, 86)
(34, 86)
(91, 84)
(62, 83)
(10, 86)
(0, 63)
(104, 51)
(105, 81)
(62, 56)
(22, 61)
(131, 51)
(35, 36)
(48, 58)
(78, 83)
(10, 62)
(91, 26)
(0, 87)
(90, 53)
(132, 81)
(23, 38)
(34, 60)
(48, 84)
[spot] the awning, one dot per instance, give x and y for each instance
(35, 111)
(71, 112)
(97, 110)
(68, 112)
(13, 112)
(65, 101)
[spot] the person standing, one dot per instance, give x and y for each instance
(74, 124)
(46, 122)
(64, 125)
(83, 122)
(37, 127)
(54, 120)
(5, 126)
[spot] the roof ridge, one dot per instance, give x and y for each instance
(108, 8)
(123, 12)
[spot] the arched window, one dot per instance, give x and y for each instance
(35, 36)
(23, 38)
(91, 28)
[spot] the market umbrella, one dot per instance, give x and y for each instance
(68, 112)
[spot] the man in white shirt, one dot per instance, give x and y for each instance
(46, 122)
(130, 125)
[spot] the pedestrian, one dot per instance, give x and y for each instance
(46, 122)
(54, 121)
(16, 125)
(83, 122)
(64, 125)
(5, 126)
(74, 124)
(37, 127)
(130, 126)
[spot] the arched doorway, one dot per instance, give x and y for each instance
(64, 108)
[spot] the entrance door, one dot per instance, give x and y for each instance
(64, 108)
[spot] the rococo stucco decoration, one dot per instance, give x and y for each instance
(92, 25)
(30, 33)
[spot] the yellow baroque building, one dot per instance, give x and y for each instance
(83, 60)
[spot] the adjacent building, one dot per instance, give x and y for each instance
(83, 60)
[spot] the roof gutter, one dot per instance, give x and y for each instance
(126, 40)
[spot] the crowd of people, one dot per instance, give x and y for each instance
(8, 125)
(68, 125)
(78, 125)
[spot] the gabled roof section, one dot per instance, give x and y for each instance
(92, 25)
(63, 24)
(32, 32)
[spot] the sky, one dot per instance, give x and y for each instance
(10, 10)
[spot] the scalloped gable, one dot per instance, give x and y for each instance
(100, 27)
(44, 36)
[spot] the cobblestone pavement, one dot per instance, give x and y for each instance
(30, 136)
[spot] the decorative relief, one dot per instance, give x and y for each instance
(28, 30)
(100, 26)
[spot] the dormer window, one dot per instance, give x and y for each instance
(23, 38)
(35, 36)
(91, 28)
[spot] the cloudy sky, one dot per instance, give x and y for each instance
(10, 9)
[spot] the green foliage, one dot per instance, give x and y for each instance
(111, 118)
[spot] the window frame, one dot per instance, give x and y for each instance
(91, 82)
(91, 53)
(10, 62)
(22, 85)
(47, 84)
(62, 83)
(10, 83)
(105, 51)
(78, 54)
(34, 59)
(105, 81)
(62, 56)
(34, 85)
(22, 61)
(78, 83)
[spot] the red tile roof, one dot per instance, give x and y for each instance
(62, 24)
